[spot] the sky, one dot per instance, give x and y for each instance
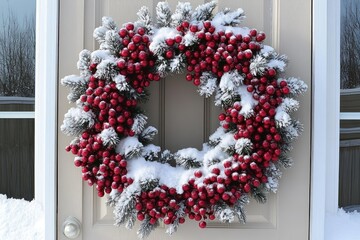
(20, 8)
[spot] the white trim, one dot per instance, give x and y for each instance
(45, 111)
(326, 89)
(350, 143)
(350, 116)
(16, 100)
(17, 115)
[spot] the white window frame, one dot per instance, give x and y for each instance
(46, 111)
(326, 111)
(325, 121)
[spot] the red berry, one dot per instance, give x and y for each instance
(202, 224)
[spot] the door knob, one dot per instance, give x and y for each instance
(71, 227)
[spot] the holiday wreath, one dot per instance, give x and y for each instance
(243, 157)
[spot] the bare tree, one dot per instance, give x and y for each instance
(17, 57)
(350, 45)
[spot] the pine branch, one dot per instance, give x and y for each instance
(180, 213)
(259, 195)
(239, 208)
(131, 220)
(188, 158)
(124, 207)
(106, 69)
(208, 84)
(203, 12)
(146, 227)
(129, 147)
(77, 121)
(230, 18)
(163, 14)
(166, 157)
(223, 213)
(243, 146)
(77, 86)
(297, 86)
(109, 137)
(149, 184)
(151, 152)
(285, 161)
(112, 42)
(182, 13)
(144, 19)
(148, 135)
(84, 62)
(140, 121)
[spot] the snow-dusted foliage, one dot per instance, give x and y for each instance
(109, 137)
(76, 121)
(182, 13)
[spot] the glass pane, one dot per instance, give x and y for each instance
(17, 158)
(349, 165)
(17, 55)
(350, 56)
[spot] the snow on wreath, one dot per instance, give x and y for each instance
(243, 157)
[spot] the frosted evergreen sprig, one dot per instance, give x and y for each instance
(163, 14)
(77, 86)
(229, 18)
(297, 86)
(76, 121)
(84, 62)
(180, 213)
(148, 135)
(166, 157)
(182, 13)
(203, 12)
(146, 227)
(109, 137)
(124, 207)
(144, 19)
(112, 42)
(224, 213)
(239, 208)
(187, 158)
(140, 121)
(208, 84)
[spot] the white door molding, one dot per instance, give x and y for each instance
(45, 111)
(325, 114)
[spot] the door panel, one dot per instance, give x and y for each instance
(185, 119)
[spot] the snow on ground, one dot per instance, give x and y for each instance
(342, 226)
(20, 219)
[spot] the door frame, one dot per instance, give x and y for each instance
(324, 164)
(46, 78)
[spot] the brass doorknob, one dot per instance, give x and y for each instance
(71, 227)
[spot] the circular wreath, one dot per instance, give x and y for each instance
(243, 157)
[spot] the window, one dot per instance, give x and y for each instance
(17, 98)
(349, 162)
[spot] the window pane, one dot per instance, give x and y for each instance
(17, 158)
(350, 56)
(349, 165)
(17, 52)
(17, 91)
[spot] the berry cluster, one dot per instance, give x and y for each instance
(136, 60)
(100, 165)
(216, 51)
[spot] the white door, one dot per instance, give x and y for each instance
(175, 102)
